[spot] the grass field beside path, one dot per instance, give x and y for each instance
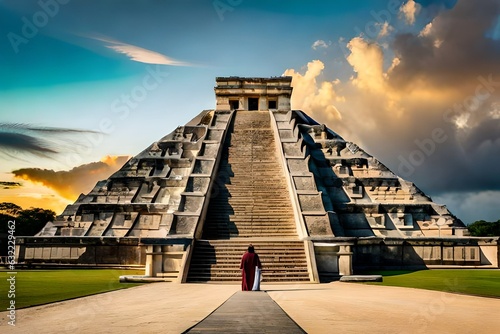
(478, 282)
(37, 287)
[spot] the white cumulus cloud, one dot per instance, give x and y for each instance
(319, 44)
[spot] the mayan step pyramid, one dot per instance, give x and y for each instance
(252, 171)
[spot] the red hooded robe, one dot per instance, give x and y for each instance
(248, 263)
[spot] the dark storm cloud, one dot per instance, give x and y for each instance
(485, 134)
(17, 139)
(457, 67)
(446, 81)
(465, 51)
(9, 185)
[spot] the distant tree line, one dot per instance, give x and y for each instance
(27, 222)
(483, 228)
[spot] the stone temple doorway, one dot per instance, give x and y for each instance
(234, 104)
(253, 103)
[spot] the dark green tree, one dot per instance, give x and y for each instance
(9, 208)
(27, 222)
(32, 220)
(483, 228)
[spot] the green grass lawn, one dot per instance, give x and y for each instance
(36, 287)
(480, 282)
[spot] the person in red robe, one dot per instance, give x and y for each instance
(249, 261)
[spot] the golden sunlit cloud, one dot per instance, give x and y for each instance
(409, 11)
(308, 95)
(70, 184)
(426, 31)
(29, 194)
(366, 60)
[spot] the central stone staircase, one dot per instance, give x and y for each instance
(250, 203)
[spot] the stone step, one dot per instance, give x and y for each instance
(238, 279)
(272, 221)
(284, 272)
(241, 245)
(249, 219)
(240, 203)
(220, 199)
(242, 213)
(218, 272)
(257, 214)
(274, 201)
(252, 232)
(225, 228)
(228, 265)
(278, 225)
(267, 248)
(243, 205)
(218, 260)
(269, 276)
(249, 228)
(296, 259)
(256, 183)
(254, 201)
(294, 256)
(248, 222)
(228, 268)
(248, 234)
(252, 216)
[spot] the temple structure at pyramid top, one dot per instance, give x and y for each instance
(235, 93)
(254, 170)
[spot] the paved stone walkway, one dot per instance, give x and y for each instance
(317, 308)
(248, 312)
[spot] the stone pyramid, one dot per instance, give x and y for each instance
(254, 171)
(338, 188)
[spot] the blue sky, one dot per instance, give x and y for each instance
(381, 73)
(72, 78)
